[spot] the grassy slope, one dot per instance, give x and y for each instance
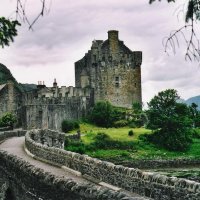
(140, 151)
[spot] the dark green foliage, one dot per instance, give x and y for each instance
(170, 120)
(120, 123)
(103, 141)
(8, 119)
(131, 133)
(101, 114)
(75, 146)
(7, 31)
(132, 124)
(69, 125)
(195, 115)
(196, 134)
(5, 75)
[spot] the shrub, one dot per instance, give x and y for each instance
(131, 133)
(132, 124)
(102, 113)
(8, 119)
(196, 134)
(75, 146)
(69, 125)
(103, 141)
(120, 123)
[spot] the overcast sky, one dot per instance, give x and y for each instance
(65, 34)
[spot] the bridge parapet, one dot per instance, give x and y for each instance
(21, 180)
(147, 184)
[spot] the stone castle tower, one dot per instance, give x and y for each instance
(112, 70)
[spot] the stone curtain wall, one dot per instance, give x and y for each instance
(148, 184)
(48, 113)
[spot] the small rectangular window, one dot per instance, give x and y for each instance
(117, 81)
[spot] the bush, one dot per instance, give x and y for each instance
(120, 123)
(196, 134)
(131, 133)
(102, 113)
(103, 141)
(8, 119)
(75, 146)
(69, 125)
(132, 125)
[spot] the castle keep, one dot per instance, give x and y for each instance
(108, 71)
(112, 70)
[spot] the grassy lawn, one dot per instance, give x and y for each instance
(140, 149)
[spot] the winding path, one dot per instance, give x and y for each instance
(15, 146)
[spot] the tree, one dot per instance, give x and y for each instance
(102, 114)
(170, 121)
(186, 32)
(8, 27)
(195, 115)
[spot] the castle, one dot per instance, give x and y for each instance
(108, 71)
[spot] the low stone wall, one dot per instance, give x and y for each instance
(14, 133)
(48, 138)
(134, 180)
(30, 183)
(21, 180)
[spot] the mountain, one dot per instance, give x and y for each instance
(195, 99)
(6, 75)
(28, 87)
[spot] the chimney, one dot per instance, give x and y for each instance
(54, 83)
(113, 41)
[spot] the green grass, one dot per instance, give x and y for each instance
(141, 150)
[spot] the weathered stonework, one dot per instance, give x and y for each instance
(113, 70)
(20, 180)
(109, 71)
(147, 184)
(10, 99)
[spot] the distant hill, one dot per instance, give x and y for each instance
(195, 99)
(28, 87)
(6, 75)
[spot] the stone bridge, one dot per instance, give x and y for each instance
(33, 165)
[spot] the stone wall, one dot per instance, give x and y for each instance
(147, 184)
(113, 70)
(48, 113)
(20, 180)
(10, 99)
(8, 134)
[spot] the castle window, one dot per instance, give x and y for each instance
(60, 95)
(117, 81)
(135, 84)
